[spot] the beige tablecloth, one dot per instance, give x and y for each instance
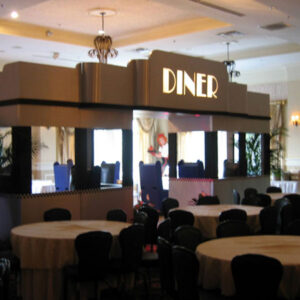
(215, 261)
(44, 248)
(207, 216)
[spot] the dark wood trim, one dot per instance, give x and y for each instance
(265, 151)
(242, 154)
(173, 155)
(211, 154)
(127, 157)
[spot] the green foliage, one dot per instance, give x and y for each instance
(5, 152)
(253, 154)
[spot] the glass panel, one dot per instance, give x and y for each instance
(253, 154)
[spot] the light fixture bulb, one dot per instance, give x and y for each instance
(101, 31)
(14, 14)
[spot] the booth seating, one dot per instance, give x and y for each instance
(191, 170)
(151, 184)
(62, 174)
(110, 173)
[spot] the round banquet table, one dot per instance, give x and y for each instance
(44, 248)
(215, 261)
(207, 217)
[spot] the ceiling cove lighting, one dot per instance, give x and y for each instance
(230, 65)
(103, 44)
(14, 14)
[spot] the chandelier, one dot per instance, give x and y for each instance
(230, 66)
(103, 45)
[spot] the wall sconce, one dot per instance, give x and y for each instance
(295, 120)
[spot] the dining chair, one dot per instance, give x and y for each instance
(187, 236)
(233, 214)
(167, 280)
(92, 250)
(140, 217)
(5, 270)
(164, 229)
(295, 201)
(287, 216)
(57, 214)
(167, 204)
(268, 220)
(249, 192)
(150, 225)
(180, 217)
(293, 228)
(186, 268)
(264, 200)
(208, 200)
(251, 200)
(116, 215)
(256, 276)
(273, 189)
(279, 204)
(231, 228)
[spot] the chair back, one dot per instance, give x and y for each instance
(191, 170)
(295, 201)
(140, 217)
(279, 204)
(186, 268)
(57, 214)
(231, 228)
(167, 204)
(110, 173)
(151, 184)
(233, 214)
(151, 224)
(293, 228)
(93, 250)
(180, 217)
(187, 236)
(249, 192)
(116, 215)
(132, 242)
(62, 175)
(268, 220)
(287, 216)
(264, 200)
(273, 189)
(236, 197)
(252, 199)
(167, 281)
(208, 200)
(256, 276)
(164, 229)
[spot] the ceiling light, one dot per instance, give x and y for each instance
(231, 33)
(14, 14)
(230, 65)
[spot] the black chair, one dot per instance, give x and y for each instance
(167, 281)
(164, 229)
(264, 200)
(180, 217)
(140, 217)
(186, 268)
(249, 192)
(167, 204)
(236, 197)
(93, 260)
(5, 268)
(232, 228)
(187, 236)
(293, 228)
(268, 220)
(295, 201)
(116, 215)
(150, 225)
(273, 189)
(57, 214)
(233, 214)
(251, 200)
(279, 204)
(287, 216)
(256, 276)
(208, 200)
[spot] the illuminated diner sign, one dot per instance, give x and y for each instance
(201, 85)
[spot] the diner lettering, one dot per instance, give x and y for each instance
(200, 85)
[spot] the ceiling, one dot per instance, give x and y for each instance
(60, 32)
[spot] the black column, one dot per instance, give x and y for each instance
(127, 157)
(242, 154)
(21, 157)
(84, 154)
(265, 154)
(172, 154)
(211, 154)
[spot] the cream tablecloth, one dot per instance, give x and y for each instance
(207, 216)
(215, 261)
(44, 248)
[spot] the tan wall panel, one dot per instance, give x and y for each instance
(33, 206)
(96, 203)
(237, 95)
(42, 82)
(159, 60)
(189, 123)
(258, 104)
(9, 116)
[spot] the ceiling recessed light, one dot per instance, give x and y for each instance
(14, 14)
(17, 47)
(97, 12)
